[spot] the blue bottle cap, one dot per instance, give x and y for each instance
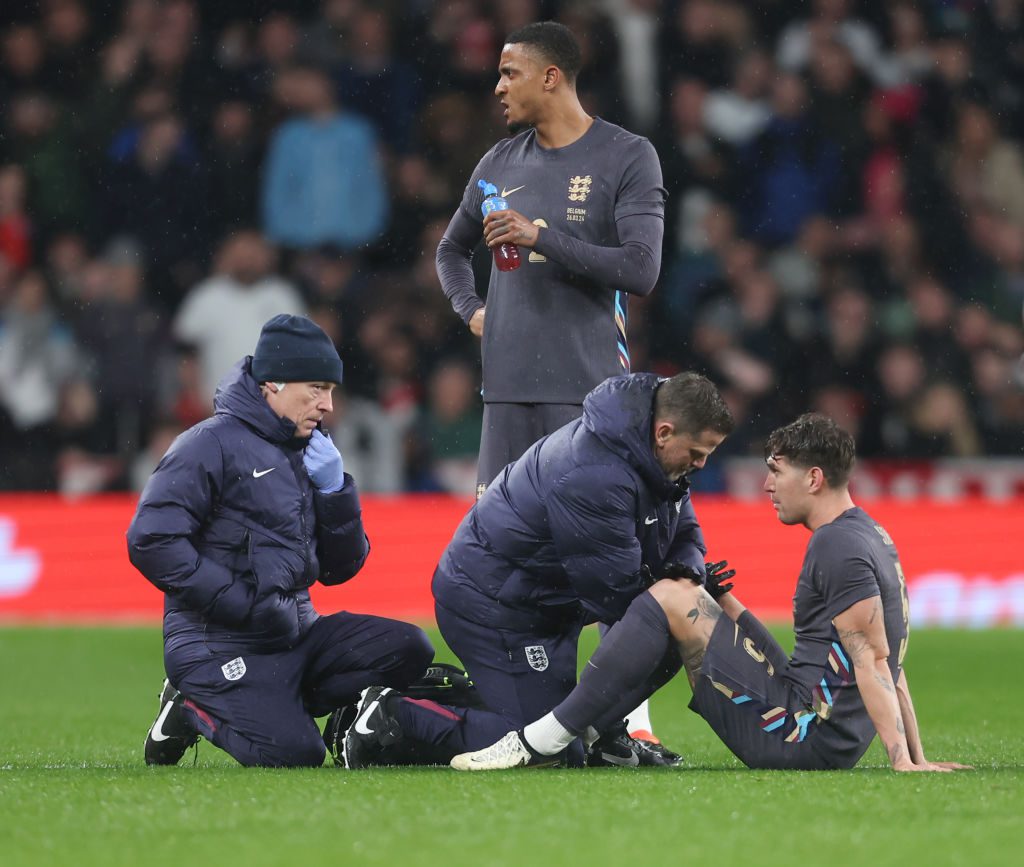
(488, 188)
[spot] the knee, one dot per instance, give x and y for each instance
(302, 752)
(414, 652)
(675, 597)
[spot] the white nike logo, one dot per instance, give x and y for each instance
(649, 521)
(631, 762)
(157, 732)
(259, 473)
(364, 716)
(505, 192)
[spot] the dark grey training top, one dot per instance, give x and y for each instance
(850, 559)
(555, 327)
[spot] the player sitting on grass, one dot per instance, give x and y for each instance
(817, 710)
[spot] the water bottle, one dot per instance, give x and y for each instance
(506, 256)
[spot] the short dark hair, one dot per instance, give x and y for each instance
(693, 403)
(815, 440)
(554, 42)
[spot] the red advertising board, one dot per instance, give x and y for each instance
(66, 560)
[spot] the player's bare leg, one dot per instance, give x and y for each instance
(692, 615)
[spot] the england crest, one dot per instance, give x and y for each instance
(234, 669)
(537, 656)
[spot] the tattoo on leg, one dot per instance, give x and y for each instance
(705, 607)
(709, 608)
(693, 657)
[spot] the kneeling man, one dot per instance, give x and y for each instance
(245, 511)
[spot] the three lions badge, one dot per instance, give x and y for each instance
(537, 656)
(234, 669)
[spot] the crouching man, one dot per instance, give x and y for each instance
(246, 510)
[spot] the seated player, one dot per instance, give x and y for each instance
(816, 710)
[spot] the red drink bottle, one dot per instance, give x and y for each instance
(506, 256)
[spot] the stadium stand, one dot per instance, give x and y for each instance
(845, 228)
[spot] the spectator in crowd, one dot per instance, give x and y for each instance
(38, 357)
(831, 20)
(15, 226)
(40, 141)
(447, 436)
(234, 154)
(323, 179)
(122, 340)
(377, 82)
(158, 196)
(791, 169)
(738, 113)
(222, 316)
(67, 34)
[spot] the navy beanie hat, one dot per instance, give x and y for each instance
(295, 349)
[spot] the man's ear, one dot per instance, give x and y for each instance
(815, 480)
(662, 431)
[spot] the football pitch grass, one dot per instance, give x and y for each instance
(75, 704)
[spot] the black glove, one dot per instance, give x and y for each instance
(675, 570)
(446, 684)
(717, 576)
(644, 576)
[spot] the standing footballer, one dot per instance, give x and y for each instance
(586, 209)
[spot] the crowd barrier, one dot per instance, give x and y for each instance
(66, 561)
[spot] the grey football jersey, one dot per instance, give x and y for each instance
(850, 559)
(552, 331)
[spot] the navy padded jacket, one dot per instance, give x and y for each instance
(232, 530)
(560, 536)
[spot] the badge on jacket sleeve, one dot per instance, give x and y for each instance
(537, 656)
(234, 669)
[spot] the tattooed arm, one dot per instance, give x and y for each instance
(861, 629)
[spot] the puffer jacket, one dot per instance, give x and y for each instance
(232, 530)
(560, 536)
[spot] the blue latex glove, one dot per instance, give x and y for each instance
(324, 464)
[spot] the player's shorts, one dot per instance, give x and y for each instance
(750, 706)
(509, 429)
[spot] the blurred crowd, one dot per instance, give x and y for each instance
(845, 228)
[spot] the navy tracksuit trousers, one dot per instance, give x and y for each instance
(520, 676)
(260, 707)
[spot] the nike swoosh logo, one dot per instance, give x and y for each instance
(505, 192)
(632, 762)
(364, 716)
(157, 732)
(649, 521)
(256, 474)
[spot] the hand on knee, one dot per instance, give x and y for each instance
(675, 595)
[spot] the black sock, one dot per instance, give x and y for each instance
(626, 656)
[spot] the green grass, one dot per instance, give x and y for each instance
(75, 705)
